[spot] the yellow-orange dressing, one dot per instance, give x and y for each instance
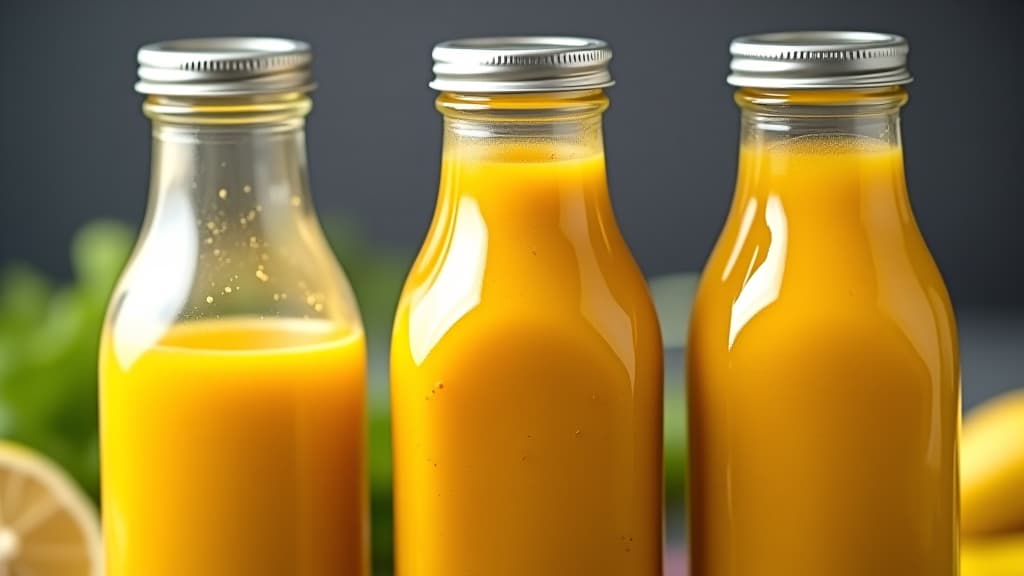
(823, 375)
(526, 377)
(237, 450)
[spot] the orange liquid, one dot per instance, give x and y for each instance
(526, 379)
(824, 379)
(235, 448)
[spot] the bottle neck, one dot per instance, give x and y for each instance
(224, 155)
(527, 129)
(513, 155)
(832, 153)
(774, 118)
(556, 115)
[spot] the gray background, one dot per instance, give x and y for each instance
(74, 144)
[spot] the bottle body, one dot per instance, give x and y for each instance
(823, 365)
(526, 366)
(232, 370)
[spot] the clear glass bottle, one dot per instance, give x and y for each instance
(526, 358)
(824, 380)
(232, 373)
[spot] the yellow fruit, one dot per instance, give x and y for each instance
(47, 526)
(996, 556)
(992, 468)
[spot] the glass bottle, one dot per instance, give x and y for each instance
(232, 369)
(824, 379)
(526, 358)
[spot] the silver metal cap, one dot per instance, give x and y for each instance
(821, 59)
(510, 64)
(225, 67)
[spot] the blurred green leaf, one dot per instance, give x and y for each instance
(98, 253)
(49, 343)
(24, 294)
(675, 448)
(382, 525)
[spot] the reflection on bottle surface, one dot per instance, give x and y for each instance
(456, 288)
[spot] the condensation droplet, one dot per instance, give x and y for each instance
(209, 299)
(247, 189)
(223, 193)
(319, 307)
(263, 276)
(227, 289)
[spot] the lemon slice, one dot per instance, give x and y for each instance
(47, 525)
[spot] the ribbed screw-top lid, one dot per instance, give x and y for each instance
(225, 67)
(511, 64)
(819, 59)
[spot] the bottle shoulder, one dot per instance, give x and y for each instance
(510, 342)
(526, 299)
(182, 273)
(776, 278)
(817, 325)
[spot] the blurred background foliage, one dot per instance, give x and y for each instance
(49, 342)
